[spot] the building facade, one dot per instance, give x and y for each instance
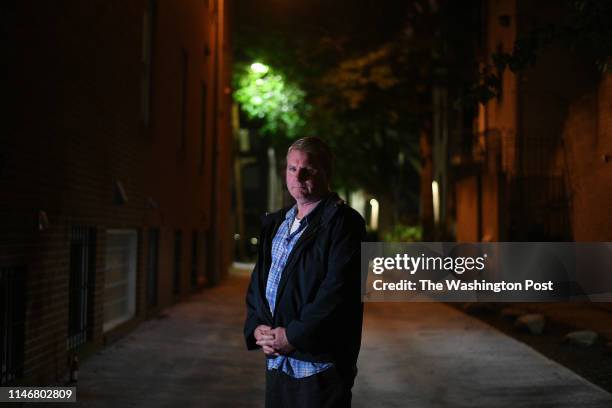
(533, 163)
(116, 179)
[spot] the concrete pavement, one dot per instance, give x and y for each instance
(431, 355)
(413, 355)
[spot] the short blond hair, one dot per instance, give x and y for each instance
(316, 147)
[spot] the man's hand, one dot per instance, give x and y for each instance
(278, 342)
(262, 332)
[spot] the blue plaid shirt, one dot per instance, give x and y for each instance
(282, 244)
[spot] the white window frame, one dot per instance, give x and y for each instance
(130, 279)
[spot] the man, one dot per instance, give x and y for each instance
(304, 305)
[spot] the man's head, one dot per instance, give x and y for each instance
(309, 169)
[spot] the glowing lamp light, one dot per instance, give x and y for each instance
(264, 94)
(436, 201)
(259, 68)
(374, 214)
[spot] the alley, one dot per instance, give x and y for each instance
(413, 355)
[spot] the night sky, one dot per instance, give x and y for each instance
(364, 21)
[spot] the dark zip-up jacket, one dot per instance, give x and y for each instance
(319, 295)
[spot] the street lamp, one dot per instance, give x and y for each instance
(259, 68)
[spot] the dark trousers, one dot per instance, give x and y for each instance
(327, 389)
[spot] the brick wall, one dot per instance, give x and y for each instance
(547, 139)
(80, 130)
(466, 190)
(588, 149)
(480, 205)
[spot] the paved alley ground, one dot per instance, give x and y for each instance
(413, 355)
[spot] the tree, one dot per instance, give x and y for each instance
(265, 95)
(369, 99)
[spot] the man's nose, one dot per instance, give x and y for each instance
(302, 174)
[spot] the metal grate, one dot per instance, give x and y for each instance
(178, 244)
(194, 260)
(12, 323)
(539, 209)
(82, 266)
(152, 266)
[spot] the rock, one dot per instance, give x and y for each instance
(478, 308)
(534, 323)
(511, 312)
(608, 348)
(584, 338)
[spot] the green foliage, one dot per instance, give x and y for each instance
(404, 233)
(265, 95)
(353, 77)
(370, 105)
(368, 100)
(364, 106)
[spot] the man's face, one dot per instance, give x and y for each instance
(306, 180)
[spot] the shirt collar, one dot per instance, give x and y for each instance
(291, 213)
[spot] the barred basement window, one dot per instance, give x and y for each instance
(152, 266)
(178, 244)
(194, 260)
(12, 323)
(82, 278)
(120, 277)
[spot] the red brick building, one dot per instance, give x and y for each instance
(116, 181)
(537, 164)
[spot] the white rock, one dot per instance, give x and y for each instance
(583, 338)
(534, 323)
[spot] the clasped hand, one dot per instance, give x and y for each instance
(272, 341)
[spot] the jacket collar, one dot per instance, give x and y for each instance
(322, 213)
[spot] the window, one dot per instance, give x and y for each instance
(82, 280)
(120, 277)
(12, 323)
(152, 266)
(178, 244)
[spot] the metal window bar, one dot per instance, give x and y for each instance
(178, 243)
(152, 266)
(194, 260)
(540, 209)
(12, 323)
(81, 269)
